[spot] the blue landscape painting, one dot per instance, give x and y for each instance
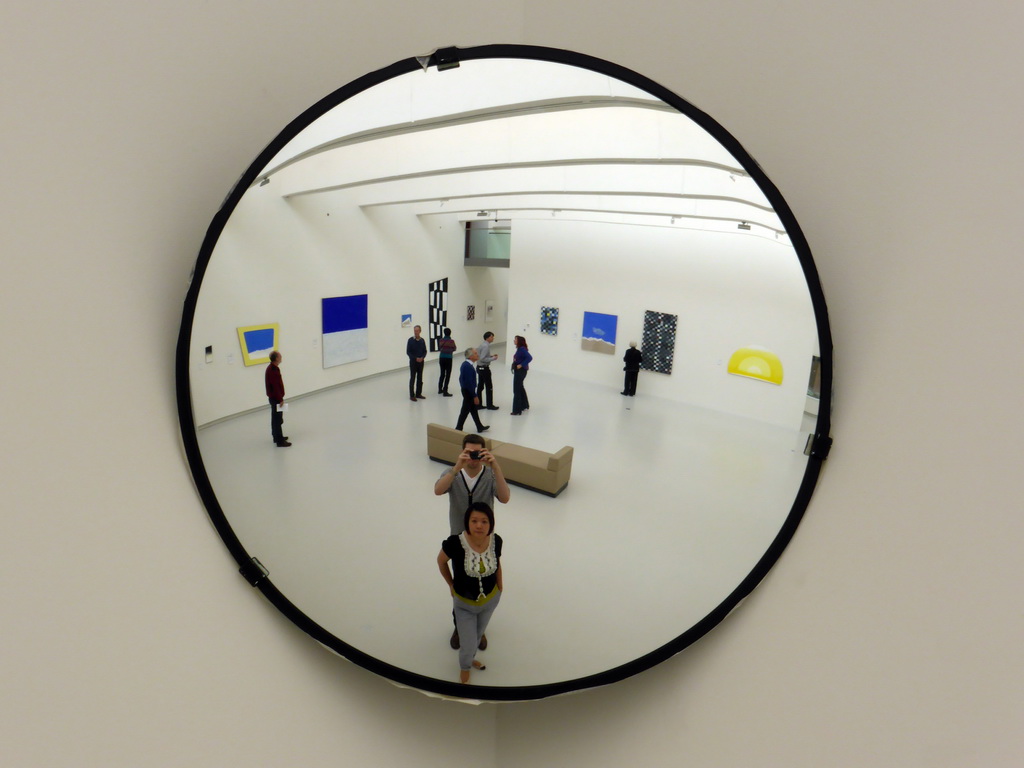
(599, 332)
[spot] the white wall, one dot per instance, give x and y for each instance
(728, 291)
(888, 634)
(278, 258)
(129, 638)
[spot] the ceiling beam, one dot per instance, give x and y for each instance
(559, 163)
(500, 112)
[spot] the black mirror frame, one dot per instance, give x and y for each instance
(818, 445)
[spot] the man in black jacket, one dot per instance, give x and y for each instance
(632, 359)
(416, 349)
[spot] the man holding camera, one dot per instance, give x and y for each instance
(476, 476)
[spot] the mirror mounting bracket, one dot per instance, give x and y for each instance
(818, 446)
(446, 58)
(254, 572)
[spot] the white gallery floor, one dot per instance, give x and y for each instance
(669, 507)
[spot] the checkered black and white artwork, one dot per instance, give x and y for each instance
(437, 300)
(659, 341)
(549, 320)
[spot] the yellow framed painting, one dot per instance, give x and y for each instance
(257, 342)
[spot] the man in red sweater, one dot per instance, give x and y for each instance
(275, 393)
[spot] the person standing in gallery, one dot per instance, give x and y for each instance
(520, 366)
(447, 348)
(483, 372)
(275, 393)
(632, 360)
(416, 349)
(474, 580)
(476, 477)
(470, 400)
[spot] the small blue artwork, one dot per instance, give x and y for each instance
(549, 320)
(345, 329)
(407, 321)
(599, 332)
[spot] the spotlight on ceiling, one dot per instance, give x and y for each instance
(483, 214)
(266, 180)
(743, 225)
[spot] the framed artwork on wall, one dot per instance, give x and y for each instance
(599, 332)
(346, 332)
(549, 320)
(659, 341)
(257, 342)
(756, 363)
(437, 301)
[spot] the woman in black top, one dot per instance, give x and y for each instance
(474, 580)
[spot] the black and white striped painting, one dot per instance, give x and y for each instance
(437, 301)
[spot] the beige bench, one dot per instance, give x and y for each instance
(546, 473)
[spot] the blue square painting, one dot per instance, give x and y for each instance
(599, 332)
(346, 329)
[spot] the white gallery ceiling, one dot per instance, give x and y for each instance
(523, 139)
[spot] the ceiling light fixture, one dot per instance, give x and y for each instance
(743, 225)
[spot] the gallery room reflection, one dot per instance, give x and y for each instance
(618, 206)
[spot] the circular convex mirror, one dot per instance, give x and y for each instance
(526, 192)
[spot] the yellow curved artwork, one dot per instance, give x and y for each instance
(756, 363)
